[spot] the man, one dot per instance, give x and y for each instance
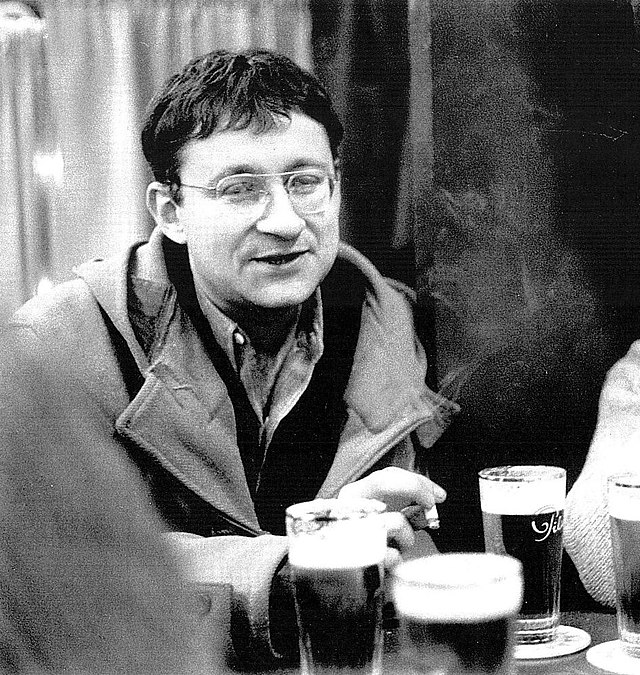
(244, 358)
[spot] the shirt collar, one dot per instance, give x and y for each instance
(231, 337)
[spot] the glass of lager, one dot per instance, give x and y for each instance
(624, 512)
(456, 613)
(336, 554)
(522, 515)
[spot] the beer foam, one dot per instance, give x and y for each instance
(458, 587)
(343, 545)
(624, 502)
(531, 493)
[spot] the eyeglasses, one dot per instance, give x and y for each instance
(309, 190)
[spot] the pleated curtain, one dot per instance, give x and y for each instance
(99, 62)
(28, 158)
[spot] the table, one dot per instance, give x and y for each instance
(215, 612)
(601, 627)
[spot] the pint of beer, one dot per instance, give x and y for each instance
(522, 515)
(336, 553)
(624, 512)
(456, 613)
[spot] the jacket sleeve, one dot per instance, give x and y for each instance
(52, 331)
(615, 448)
(249, 565)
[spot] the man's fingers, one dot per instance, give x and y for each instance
(397, 488)
(416, 517)
(400, 534)
(392, 558)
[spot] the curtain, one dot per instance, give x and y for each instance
(101, 61)
(29, 159)
(361, 53)
(107, 57)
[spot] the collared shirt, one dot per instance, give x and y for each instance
(274, 383)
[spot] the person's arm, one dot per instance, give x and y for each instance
(408, 496)
(85, 584)
(253, 567)
(263, 619)
(615, 447)
(245, 564)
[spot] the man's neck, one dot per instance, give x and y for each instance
(267, 328)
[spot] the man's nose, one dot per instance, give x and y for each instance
(280, 218)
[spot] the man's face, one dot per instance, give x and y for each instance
(276, 258)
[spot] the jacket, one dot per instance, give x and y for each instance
(615, 448)
(134, 353)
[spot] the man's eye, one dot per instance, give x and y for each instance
(305, 182)
(239, 189)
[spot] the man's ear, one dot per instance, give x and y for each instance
(164, 211)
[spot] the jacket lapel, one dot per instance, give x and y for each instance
(386, 396)
(182, 414)
(195, 443)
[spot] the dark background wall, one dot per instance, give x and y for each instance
(532, 237)
(542, 202)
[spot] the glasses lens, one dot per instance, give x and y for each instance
(241, 189)
(309, 191)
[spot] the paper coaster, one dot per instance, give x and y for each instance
(568, 640)
(611, 656)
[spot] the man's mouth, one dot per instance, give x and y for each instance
(280, 259)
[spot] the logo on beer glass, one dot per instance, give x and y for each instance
(547, 522)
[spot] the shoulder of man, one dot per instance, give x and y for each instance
(63, 310)
(375, 280)
(73, 307)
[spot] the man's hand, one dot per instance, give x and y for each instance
(407, 496)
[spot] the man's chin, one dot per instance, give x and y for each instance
(283, 300)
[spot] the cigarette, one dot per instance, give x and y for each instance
(433, 519)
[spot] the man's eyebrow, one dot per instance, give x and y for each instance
(229, 171)
(297, 165)
(237, 168)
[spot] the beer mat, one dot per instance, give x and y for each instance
(568, 640)
(611, 657)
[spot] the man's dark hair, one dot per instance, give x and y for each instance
(230, 90)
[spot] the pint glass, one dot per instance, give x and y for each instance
(456, 613)
(336, 553)
(624, 512)
(522, 515)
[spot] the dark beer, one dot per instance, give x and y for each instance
(477, 647)
(456, 613)
(625, 536)
(535, 540)
(339, 617)
(624, 511)
(336, 553)
(523, 514)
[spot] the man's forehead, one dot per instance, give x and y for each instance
(257, 123)
(289, 141)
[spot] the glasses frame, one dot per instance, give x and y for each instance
(212, 191)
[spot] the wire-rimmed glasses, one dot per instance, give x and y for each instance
(309, 190)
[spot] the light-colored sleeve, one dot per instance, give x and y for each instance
(615, 448)
(248, 565)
